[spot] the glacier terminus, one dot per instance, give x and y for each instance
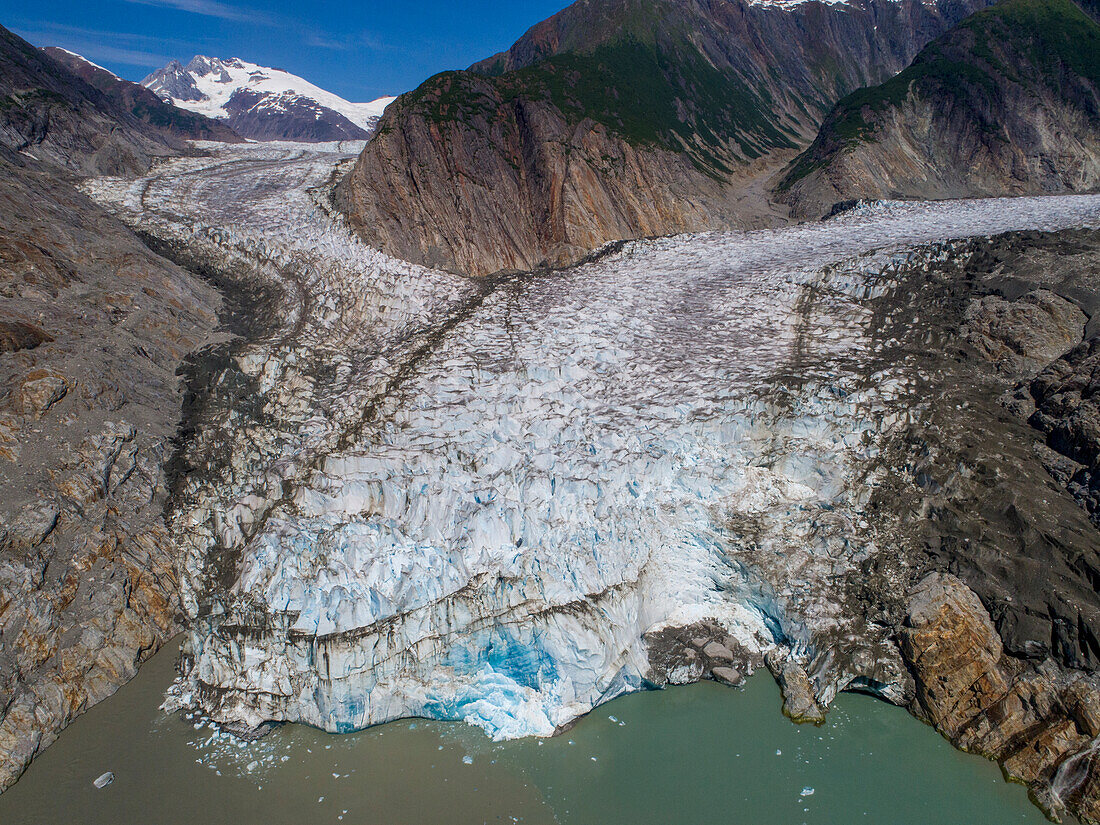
(507, 500)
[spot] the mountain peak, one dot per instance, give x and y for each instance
(262, 102)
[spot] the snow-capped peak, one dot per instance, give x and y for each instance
(206, 85)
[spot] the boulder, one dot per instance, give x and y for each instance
(40, 390)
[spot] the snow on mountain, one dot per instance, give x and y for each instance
(83, 59)
(263, 103)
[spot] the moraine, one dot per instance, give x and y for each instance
(505, 501)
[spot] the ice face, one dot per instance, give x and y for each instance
(473, 500)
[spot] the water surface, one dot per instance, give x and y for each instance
(696, 754)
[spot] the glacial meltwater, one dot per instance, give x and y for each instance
(694, 754)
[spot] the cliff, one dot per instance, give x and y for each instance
(93, 327)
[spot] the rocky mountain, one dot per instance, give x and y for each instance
(49, 113)
(142, 103)
(1008, 102)
(262, 103)
(95, 327)
(618, 119)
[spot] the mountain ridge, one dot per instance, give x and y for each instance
(1006, 103)
(53, 115)
(612, 121)
(141, 102)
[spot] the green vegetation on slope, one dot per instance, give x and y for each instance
(1032, 43)
(668, 97)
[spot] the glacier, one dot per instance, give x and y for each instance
(411, 493)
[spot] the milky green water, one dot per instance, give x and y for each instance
(703, 753)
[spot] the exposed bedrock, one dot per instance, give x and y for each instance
(536, 190)
(1040, 722)
(93, 327)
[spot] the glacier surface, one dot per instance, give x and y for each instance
(422, 494)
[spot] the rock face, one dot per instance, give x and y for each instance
(262, 103)
(990, 498)
(142, 103)
(52, 114)
(1007, 103)
(1039, 723)
(99, 325)
(1066, 398)
(619, 120)
(1023, 336)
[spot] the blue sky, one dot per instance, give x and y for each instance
(359, 50)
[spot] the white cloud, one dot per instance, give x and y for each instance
(213, 8)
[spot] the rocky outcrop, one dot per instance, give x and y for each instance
(16, 335)
(49, 113)
(95, 327)
(1040, 723)
(619, 120)
(142, 103)
(570, 188)
(799, 696)
(1022, 336)
(1066, 401)
(1007, 103)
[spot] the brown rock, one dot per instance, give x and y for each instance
(717, 651)
(727, 675)
(1023, 336)
(1038, 722)
(16, 335)
(799, 700)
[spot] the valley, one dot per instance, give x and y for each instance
(533, 442)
